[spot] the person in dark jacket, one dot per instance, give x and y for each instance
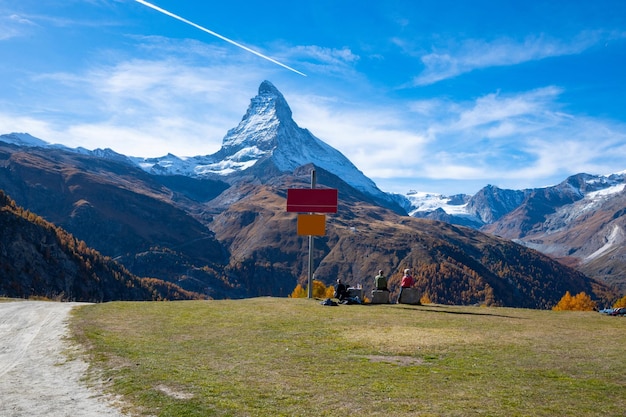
(341, 292)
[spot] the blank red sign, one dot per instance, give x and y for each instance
(312, 200)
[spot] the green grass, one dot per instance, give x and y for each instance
(294, 357)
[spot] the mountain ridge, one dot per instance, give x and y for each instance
(552, 220)
(38, 259)
(210, 232)
(518, 215)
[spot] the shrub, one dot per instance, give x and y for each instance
(319, 291)
(330, 292)
(580, 302)
(620, 303)
(298, 292)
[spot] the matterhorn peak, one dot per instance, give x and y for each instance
(268, 89)
(268, 133)
(261, 126)
(270, 99)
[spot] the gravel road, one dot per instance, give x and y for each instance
(36, 376)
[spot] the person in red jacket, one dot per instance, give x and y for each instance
(407, 282)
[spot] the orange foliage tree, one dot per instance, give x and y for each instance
(330, 292)
(319, 291)
(298, 292)
(579, 302)
(620, 303)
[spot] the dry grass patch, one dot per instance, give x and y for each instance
(402, 340)
(287, 357)
(174, 393)
(396, 360)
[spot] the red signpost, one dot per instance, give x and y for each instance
(312, 200)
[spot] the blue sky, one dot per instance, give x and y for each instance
(444, 96)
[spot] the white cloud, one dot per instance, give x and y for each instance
(320, 60)
(325, 55)
(14, 25)
(472, 54)
(524, 137)
(149, 107)
(495, 108)
(154, 104)
(137, 107)
(377, 140)
(10, 123)
(20, 20)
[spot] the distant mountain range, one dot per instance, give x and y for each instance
(217, 224)
(580, 221)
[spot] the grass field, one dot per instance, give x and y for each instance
(295, 357)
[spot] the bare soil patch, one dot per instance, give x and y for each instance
(41, 372)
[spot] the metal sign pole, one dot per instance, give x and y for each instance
(310, 272)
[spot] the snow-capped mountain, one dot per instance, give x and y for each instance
(581, 220)
(428, 202)
(266, 132)
(27, 140)
(487, 205)
(491, 203)
(434, 206)
(23, 139)
(554, 209)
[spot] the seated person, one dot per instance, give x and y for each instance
(407, 282)
(341, 292)
(380, 281)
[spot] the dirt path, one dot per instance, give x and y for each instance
(36, 377)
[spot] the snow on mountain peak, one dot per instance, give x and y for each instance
(613, 189)
(594, 199)
(267, 131)
(428, 202)
(23, 139)
(259, 126)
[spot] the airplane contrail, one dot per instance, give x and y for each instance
(210, 32)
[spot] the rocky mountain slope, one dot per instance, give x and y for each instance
(578, 221)
(452, 264)
(218, 225)
(119, 210)
(40, 259)
(581, 222)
